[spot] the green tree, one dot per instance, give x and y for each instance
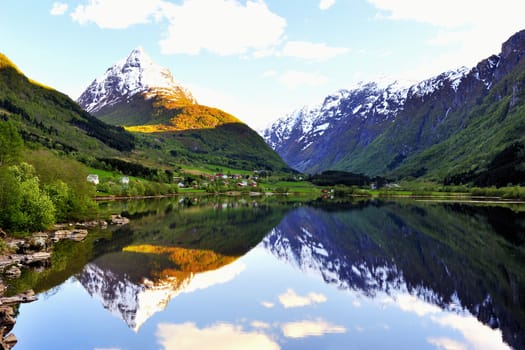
(10, 198)
(28, 207)
(11, 144)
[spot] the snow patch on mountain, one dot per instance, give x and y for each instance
(137, 73)
(308, 123)
(451, 78)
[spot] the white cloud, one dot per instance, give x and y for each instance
(119, 14)
(312, 51)
(447, 344)
(220, 336)
(309, 328)
(58, 9)
(464, 28)
(293, 79)
(224, 27)
(326, 4)
(267, 304)
(260, 325)
(291, 299)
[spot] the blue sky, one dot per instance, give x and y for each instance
(256, 59)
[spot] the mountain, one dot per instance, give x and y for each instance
(311, 139)
(47, 117)
(460, 126)
(143, 97)
(133, 81)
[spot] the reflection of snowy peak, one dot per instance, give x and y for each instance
(306, 239)
(134, 303)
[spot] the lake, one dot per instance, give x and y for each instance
(245, 273)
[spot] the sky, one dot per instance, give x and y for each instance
(256, 59)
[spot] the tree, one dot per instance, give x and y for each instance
(11, 143)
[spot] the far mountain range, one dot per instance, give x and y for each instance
(464, 125)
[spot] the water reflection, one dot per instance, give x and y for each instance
(233, 274)
(164, 253)
(423, 258)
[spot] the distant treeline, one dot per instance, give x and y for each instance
(135, 169)
(336, 177)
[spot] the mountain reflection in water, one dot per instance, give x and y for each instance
(457, 268)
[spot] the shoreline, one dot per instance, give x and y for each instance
(459, 198)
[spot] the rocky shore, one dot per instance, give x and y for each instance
(34, 252)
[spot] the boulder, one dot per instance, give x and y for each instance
(78, 235)
(38, 242)
(74, 234)
(93, 224)
(119, 220)
(13, 272)
(26, 297)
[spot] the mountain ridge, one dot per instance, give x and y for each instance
(432, 112)
(141, 96)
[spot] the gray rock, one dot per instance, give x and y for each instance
(119, 220)
(13, 272)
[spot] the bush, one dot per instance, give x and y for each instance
(24, 205)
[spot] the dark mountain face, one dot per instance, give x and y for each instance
(445, 109)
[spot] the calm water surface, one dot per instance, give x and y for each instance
(240, 274)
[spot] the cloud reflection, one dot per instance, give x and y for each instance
(217, 337)
(447, 344)
(291, 299)
(302, 329)
(476, 334)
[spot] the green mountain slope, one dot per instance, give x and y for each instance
(490, 150)
(50, 118)
(46, 117)
(471, 133)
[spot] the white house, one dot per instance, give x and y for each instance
(93, 178)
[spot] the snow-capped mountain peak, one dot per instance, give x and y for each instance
(135, 74)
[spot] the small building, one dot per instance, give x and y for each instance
(124, 180)
(93, 178)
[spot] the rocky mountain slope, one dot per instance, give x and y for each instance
(452, 126)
